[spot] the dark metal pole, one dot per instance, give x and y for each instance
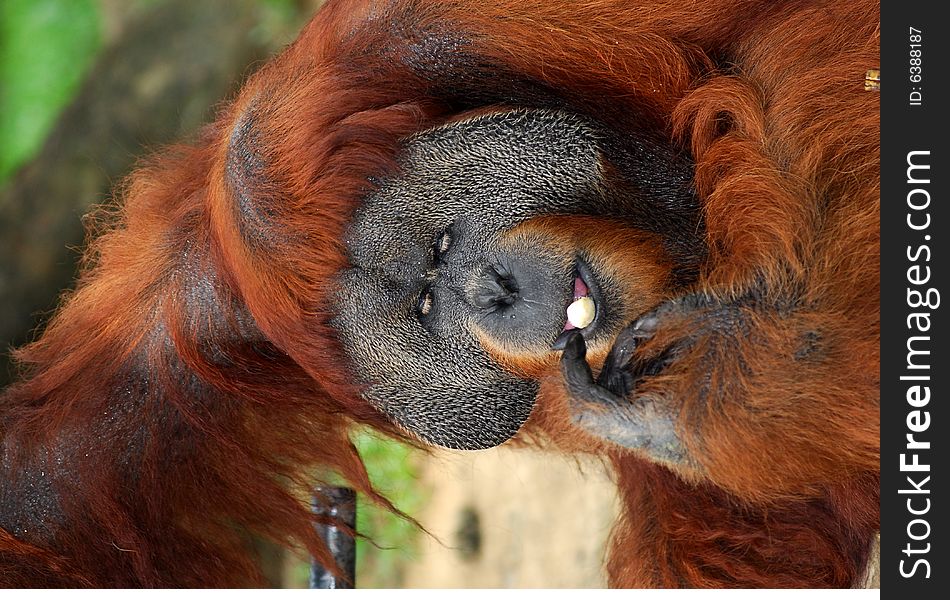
(338, 503)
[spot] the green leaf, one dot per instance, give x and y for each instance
(46, 47)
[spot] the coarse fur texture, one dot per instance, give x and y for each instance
(465, 261)
(186, 391)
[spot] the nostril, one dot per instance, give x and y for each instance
(488, 293)
(495, 288)
(504, 278)
(484, 299)
(509, 285)
(507, 299)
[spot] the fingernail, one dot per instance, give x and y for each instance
(561, 342)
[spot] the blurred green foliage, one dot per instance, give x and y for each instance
(46, 47)
(391, 541)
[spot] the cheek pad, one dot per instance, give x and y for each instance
(444, 390)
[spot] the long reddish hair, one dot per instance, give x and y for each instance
(187, 392)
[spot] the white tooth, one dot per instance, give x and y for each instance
(581, 312)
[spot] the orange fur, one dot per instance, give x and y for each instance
(632, 257)
(188, 387)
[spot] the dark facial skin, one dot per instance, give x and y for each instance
(437, 275)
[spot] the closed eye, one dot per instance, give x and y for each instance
(442, 243)
(445, 242)
(424, 302)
